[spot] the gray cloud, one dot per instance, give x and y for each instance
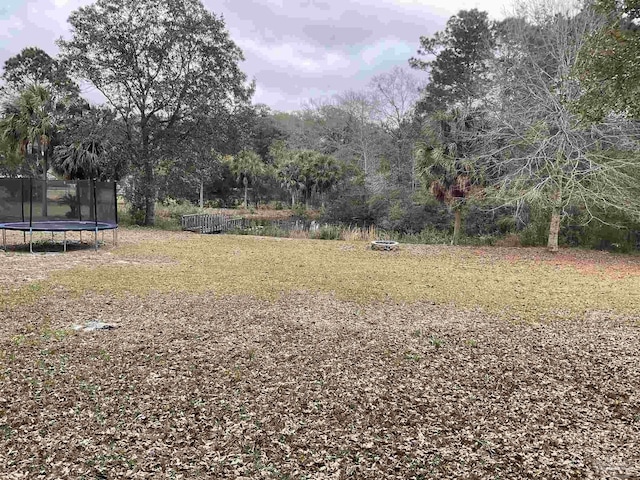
(295, 50)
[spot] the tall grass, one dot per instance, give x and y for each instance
(261, 230)
(354, 234)
(429, 235)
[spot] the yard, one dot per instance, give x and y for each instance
(251, 357)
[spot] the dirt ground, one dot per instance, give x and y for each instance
(312, 384)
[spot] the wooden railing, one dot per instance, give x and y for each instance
(211, 223)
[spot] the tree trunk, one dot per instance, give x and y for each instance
(147, 186)
(45, 168)
(293, 200)
(149, 194)
(414, 180)
(202, 193)
(554, 228)
(364, 156)
(457, 223)
(245, 181)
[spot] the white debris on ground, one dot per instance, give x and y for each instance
(93, 326)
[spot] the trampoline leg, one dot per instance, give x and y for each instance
(30, 241)
(80, 237)
(4, 240)
(96, 239)
(24, 237)
(64, 242)
(115, 237)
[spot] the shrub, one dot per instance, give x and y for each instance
(300, 211)
(433, 236)
(396, 212)
(601, 237)
(488, 220)
(506, 224)
(532, 236)
(175, 209)
(510, 240)
(164, 223)
(348, 210)
(428, 235)
(536, 230)
(477, 240)
(432, 215)
(327, 233)
(130, 217)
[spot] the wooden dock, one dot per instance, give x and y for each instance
(217, 223)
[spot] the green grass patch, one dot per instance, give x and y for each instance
(268, 267)
(24, 295)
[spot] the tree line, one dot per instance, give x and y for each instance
(534, 114)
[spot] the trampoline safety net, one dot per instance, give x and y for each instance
(31, 200)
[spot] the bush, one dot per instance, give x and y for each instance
(174, 209)
(378, 210)
(431, 215)
(430, 235)
(533, 236)
(327, 233)
(163, 223)
(396, 212)
(601, 237)
(488, 220)
(477, 240)
(129, 217)
(510, 240)
(506, 224)
(300, 211)
(536, 230)
(349, 210)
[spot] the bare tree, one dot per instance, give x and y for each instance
(341, 126)
(395, 95)
(359, 108)
(541, 153)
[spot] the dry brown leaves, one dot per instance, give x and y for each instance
(310, 386)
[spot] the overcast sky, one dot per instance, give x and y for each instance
(296, 50)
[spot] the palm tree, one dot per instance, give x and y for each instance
(327, 173)
(79, 160)
(445, 162)
(289, 173)
(246, 166)
(27, 130)
(288, 169)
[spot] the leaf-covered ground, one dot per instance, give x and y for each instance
(240, 357)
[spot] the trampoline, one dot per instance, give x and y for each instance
(29, 205)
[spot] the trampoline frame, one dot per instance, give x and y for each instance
(60, 225)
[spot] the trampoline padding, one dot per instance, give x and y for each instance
(58, 226)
